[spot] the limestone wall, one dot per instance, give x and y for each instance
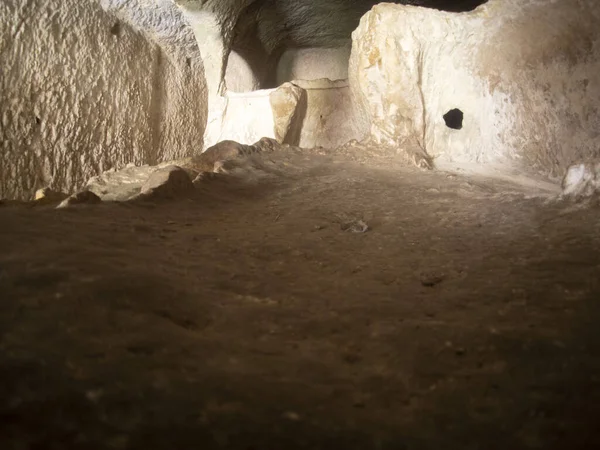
(307, 113)
(330, 120)
(81, 91)
(247, 117)
(524, 74)
(239, 76)
(313, 64)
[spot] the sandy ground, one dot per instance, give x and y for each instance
(251, 316)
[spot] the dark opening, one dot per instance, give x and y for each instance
(115, 30)
(454, 119)
(446, 5)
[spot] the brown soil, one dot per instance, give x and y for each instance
(250, 316)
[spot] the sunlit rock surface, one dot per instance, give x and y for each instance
(511, 81)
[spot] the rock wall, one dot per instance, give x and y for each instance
(324, 116)
(289, 104)
(330, 120)
(514, 80)
(313, 64)
(246, 118)
(239, 76)
(315, 113)
(160, 20)
(81, 92)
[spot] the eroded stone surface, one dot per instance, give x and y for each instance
(307, 113)
(80, 198)
(288, 103)
(204, 322)
(242, 117)
(240, 75)
(211, 160)
(165, 179)
(582, 180)
(260, 30)
(521, 72)
(167, 182)
(81, 92)
(120, 185)
(314, 64)
(331, 118)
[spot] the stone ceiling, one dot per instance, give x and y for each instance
(302, 23)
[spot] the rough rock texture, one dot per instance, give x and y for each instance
(261, 30)
(313, 64)
(49, 195)
(315, 113)
(582, 180)
(523, 73)
(84, 197)
(331, 119)
(120, 185)
(211, 160)
(132, 181)
(170, 181)
(248, 319)
(288, 103)
(160, 20)
(82, 92)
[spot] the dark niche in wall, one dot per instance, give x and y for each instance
(447, 5)
(115, 30)
(454, 119)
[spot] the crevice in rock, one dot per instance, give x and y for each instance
(157, 107)
(115, 30)
(454, 119)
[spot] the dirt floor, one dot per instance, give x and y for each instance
(255, 315)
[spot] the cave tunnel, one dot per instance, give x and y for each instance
(277, 40)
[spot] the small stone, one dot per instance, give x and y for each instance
(80, 198)
(430, 279)
(355, 226)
